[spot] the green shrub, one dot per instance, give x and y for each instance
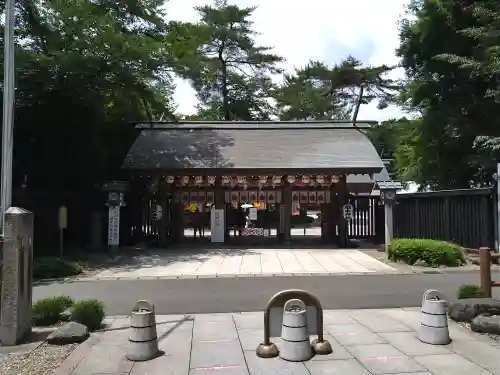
(469, 291)
(50, 267)
(88, 312)
(48, 311)
(430, 252)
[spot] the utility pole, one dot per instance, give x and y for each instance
(8, 111)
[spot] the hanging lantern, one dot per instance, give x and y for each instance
(335, 179)
(241, 179)
(305, 179)
(211, 180)
(170, 179)
(263, 179)
(320, 179)
(185, 180)
(226, 179)
(198, 180)
(291, 179)
(276, 180)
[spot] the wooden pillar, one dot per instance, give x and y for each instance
(162, 199)
(342, 199)
(332, 215)
(220, 202)
(286, 198)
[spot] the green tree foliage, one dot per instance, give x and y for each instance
(84, 70)
(232, 76)
(306, 96)
(449, 50)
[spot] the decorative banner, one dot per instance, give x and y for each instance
(271, 197)
(211, 180)
(320, 179)
(295, 196)
(210, 197)
(185, 180)
(291, 179)
(305, 179)
(320, 197)
(304, 197)
(201, 197)
(198, 180)
(235, 197)
(185, 197)
(312, 197)
(263, 180)
(243, 196)
(226, 179)
(262, 196)
(170, 179)
(335, 179)
(241, 179)
(193, 197)
(114, 226)
(252, 196)
(276, 180)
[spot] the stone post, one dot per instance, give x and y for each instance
(17, 278)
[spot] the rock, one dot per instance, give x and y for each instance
(464, 310)
(486, 324)
(68, 333)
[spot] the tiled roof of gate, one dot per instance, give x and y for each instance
(267, 145)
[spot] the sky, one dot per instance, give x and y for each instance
(325, 30)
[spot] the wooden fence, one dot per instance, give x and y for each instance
(466, 217)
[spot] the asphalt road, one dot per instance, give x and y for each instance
(208, 295)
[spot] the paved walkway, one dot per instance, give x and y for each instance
(243, 262)
(364, 342)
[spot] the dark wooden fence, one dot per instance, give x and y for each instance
(465, 217)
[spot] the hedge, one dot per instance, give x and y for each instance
(431, 253)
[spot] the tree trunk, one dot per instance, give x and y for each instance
(358, 105)
(225, 91)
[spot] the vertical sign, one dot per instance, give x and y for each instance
(114, 226)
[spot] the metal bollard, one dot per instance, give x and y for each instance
(143, 340)
(294, 333)
(434, 325)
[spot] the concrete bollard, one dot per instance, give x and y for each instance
(434, 324)
(294, 333)
(143, 339)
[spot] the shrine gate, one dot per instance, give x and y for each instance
(281, 168)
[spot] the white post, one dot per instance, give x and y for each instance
(389, 228)
(497, 216)
(8, 111)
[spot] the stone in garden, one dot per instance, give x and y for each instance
(68, 333)
(464, 310)
(486, 324)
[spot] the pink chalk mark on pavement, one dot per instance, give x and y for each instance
(213, 368)
(382, 358)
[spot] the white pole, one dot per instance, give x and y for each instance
(389, 228)
(8, 112)
(497, 218)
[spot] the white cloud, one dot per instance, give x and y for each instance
(315, 30)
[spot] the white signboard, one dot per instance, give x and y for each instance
(252, 213)
(217, 227)
(114, 226)
(348, 211)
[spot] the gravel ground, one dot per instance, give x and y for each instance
(489, 335)
(41, 361)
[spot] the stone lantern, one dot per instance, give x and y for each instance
(388, 190)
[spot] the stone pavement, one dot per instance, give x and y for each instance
(364, 342)
(185, 263)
